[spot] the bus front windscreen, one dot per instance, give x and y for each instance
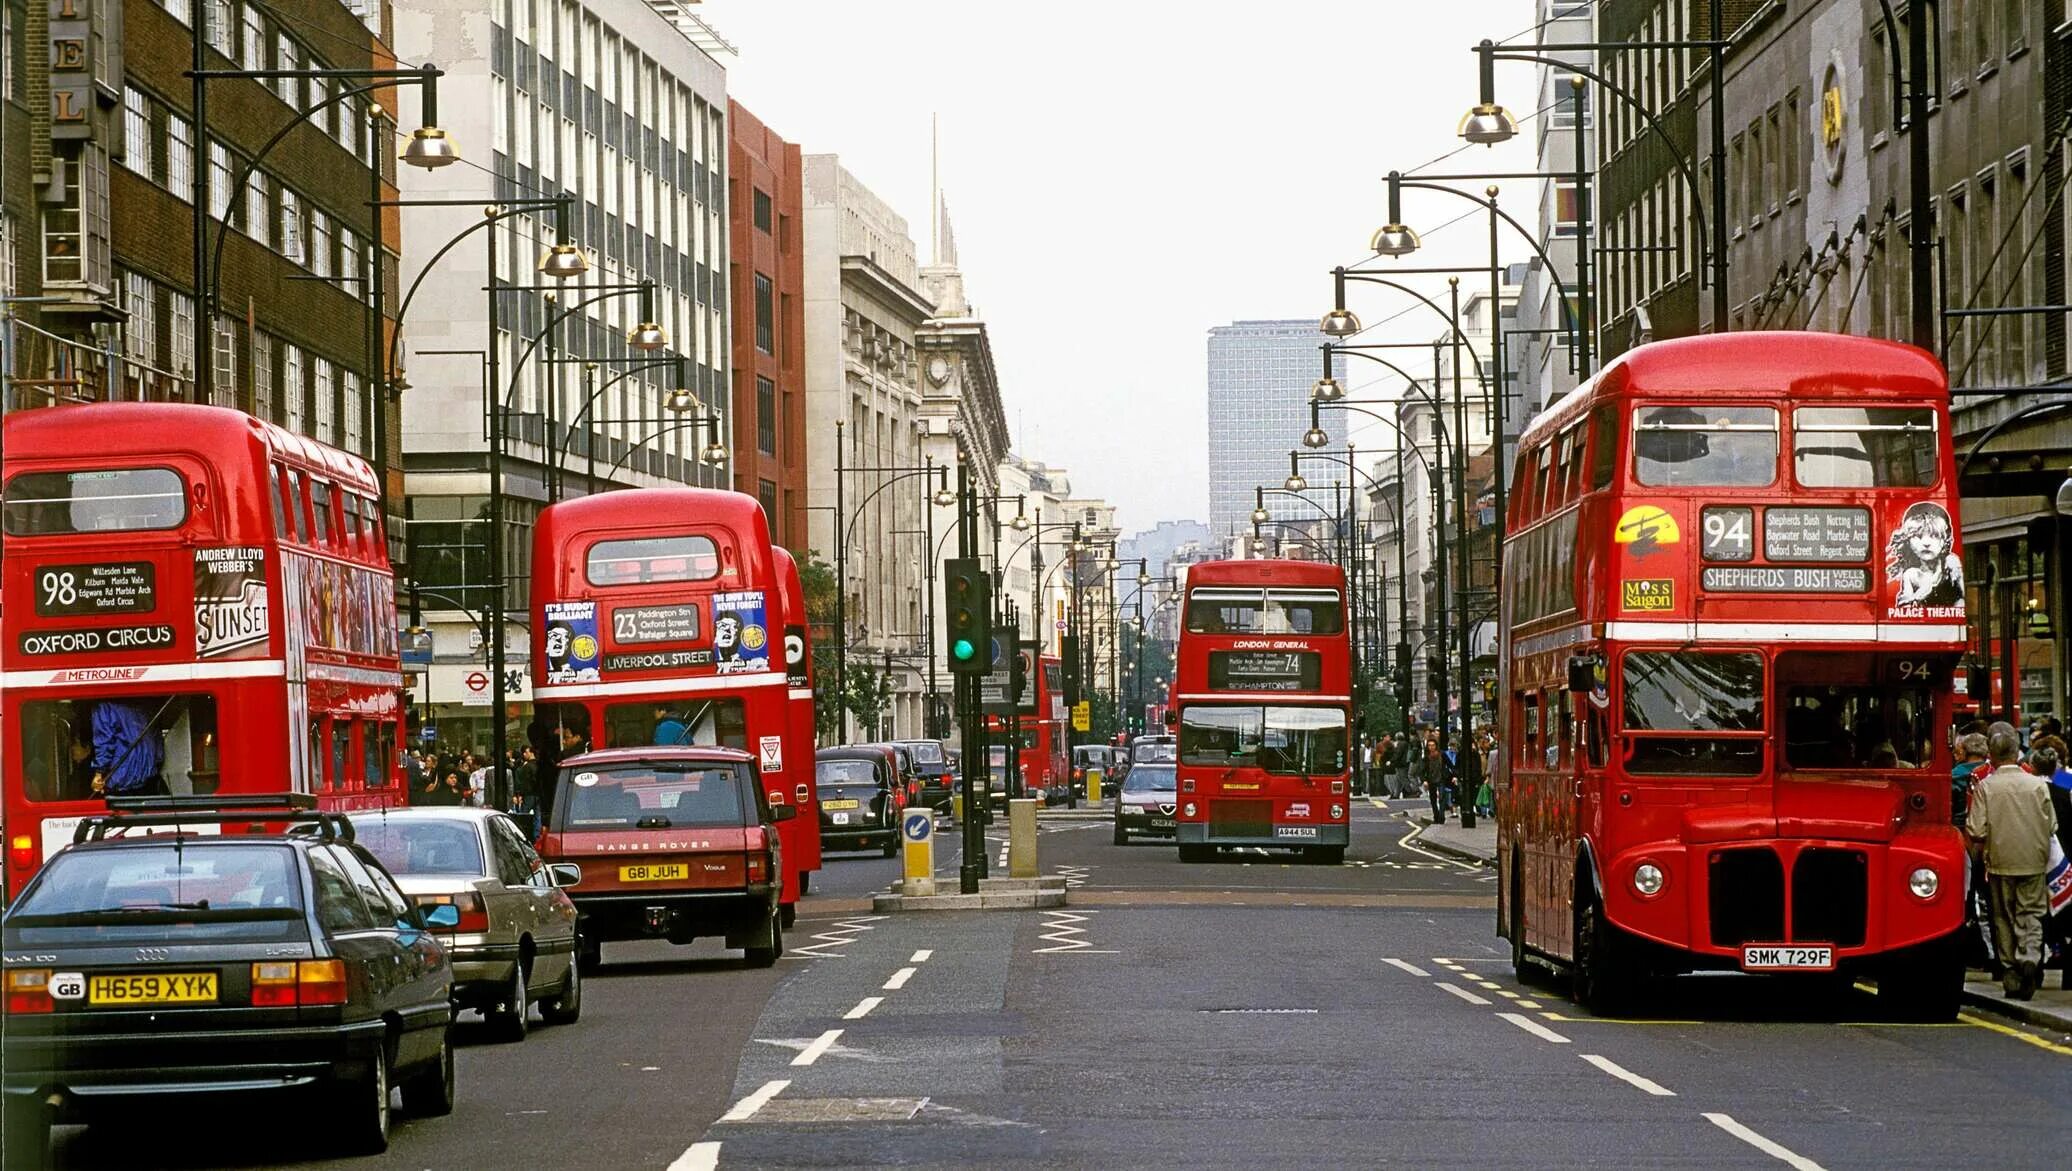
(1287, 740)
(1693, 713)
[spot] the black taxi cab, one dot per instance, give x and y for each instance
(234, 946)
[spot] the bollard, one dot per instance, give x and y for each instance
(1021, 838)
(1093, 785)
(917, 834)
(957, 808)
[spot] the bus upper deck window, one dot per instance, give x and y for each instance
(1705, 446)
(1863, 447)
(320, 510)
(273, 498)
(111, 500)
(640, 560)
(1604, 445)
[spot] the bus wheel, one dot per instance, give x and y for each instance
(1330, 855)
(1924, 983)
(805, 882)
(1192, 852)
(1517, 924)
(789, 913)
(1594, 977)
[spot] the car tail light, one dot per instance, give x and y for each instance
(287, 983)
(28, 990)
(21, 852)
(320, 981)
(474, 914)
(759, 867)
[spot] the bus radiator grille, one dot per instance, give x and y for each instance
(1747, 897)
(1830, 894)
(1241, 819)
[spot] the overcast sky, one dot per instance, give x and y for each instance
(1124, 175)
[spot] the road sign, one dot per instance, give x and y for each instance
(428, 733)
(917, 834)
(1082, 716)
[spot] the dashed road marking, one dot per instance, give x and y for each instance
(745, 1109)
(1628, 1076)
(1411, 968)
(1507, 994)
(1534, 1027)
(820, 1045)
(899, 979)
(1463, 993)
(1782, 1154)
(921, 957)
(1523, 1003)
(1489, 984)
(697, 1157)
(863, 1008)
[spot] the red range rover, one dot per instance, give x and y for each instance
(672, 843)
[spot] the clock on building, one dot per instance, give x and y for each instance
(938, 370)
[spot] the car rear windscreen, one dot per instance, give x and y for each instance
(189, 890)
(845, 772)
(422, 847)
(655, 795)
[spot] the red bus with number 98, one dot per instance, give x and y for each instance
(197, 602)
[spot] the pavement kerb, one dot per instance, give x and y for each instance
(1472, 857)
(2025, 1012)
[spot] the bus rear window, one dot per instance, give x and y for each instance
(1243, 611)
(1863, 447)
(115, 500)
(136, 744)
(1709, 447)
(652, 559)
(675, 722)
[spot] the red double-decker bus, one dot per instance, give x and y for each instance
(1262, 696)
(1732, 601)
(802, 848)
(197, 602)
(1038, 727)
(661, 616)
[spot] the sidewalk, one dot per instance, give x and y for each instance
(2052, 1008)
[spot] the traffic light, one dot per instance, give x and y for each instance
(1017, 666)
(968, 624)
(1068, 647)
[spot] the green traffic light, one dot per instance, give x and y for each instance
(963, 649)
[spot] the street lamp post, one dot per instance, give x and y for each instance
(843, 521)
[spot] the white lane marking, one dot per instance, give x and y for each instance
(921, 957)
(1415, 830)
(745, 1109)
(1629, 1077)
(1463, 993)
(899, 979)
(1411, 968)
(1782, 1154)
(698, 1157)
(1534, 1027)
(820, 1045)
(863, 1008)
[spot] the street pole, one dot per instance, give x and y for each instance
(962, 686)
(929, 722)
(1920, 197)
(1718, 51)
(842, 593)
(1586, 333)
(1464, 755)
(1498, 407)
(1443, 685)
(497, 740)
(204, 351)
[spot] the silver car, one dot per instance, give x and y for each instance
(515, 944)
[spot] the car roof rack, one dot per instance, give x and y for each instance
(206, 808)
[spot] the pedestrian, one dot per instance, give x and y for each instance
(2011, 822)
(1432, 773)
(1970, 766)
(128, 752)
(1406, 765)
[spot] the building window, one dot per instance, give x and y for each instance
(262, 377)
(327, 403)
(223, 27)
(76, 233)
(1569, 102)
(136, 131)
(223, 362)
(180, 11)
(254, 40)
(320, 243)
(289, 88)
(766, 492)
(258, 211)
(219, 180)
(291, 388)
(1566, 208)
(355, 414)
(765, 415)
(180, 317)
(10, 275)
(179, 156)
(140, 333)
(7, 70)
(291, 225)
(762, 211)
(765, 315)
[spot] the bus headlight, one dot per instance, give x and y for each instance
(1337, 811)
(1187, 810)
(1924, 882)
(1648, 879)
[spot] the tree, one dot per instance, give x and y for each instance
(817, 582)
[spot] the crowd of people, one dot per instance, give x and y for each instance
(2015, 807)
(1420, 764)
(466, 776)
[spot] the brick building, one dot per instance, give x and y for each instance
(768, 278)
(97, 174)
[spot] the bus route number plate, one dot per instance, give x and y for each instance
(1780, 958)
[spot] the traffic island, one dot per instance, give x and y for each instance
(994, 894)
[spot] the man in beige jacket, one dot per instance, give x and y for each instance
(2011, 822)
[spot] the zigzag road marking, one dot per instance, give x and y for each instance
(843, 933)
(1059, 929)
(1074, 875)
